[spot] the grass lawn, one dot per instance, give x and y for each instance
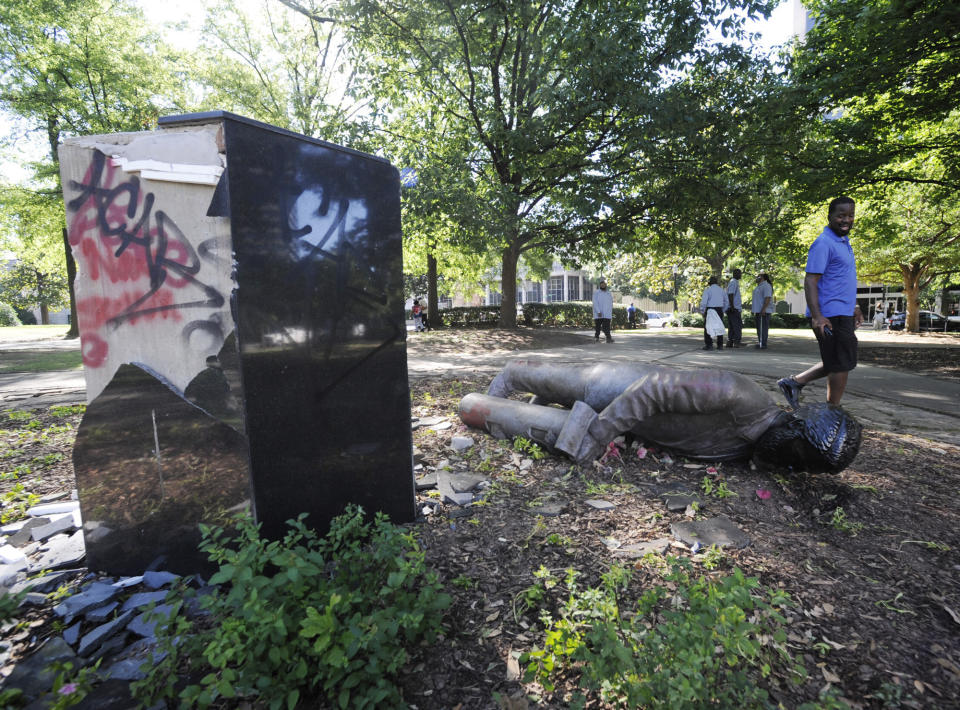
(28, 348)
(26, 333)
(39, 360)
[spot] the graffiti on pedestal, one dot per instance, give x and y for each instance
(140, 269)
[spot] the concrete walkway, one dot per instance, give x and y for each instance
(883, 398)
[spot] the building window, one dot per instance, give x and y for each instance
(535, 292)
(573, 288)
(555, 291)
(494, 298)
(587, 290)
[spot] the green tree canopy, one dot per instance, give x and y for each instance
(72, 67)
(283, 63)
(560, 103)
(30, 227)
(867, 77)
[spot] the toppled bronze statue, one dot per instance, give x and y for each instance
(711, 415)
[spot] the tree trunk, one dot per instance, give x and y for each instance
(508, 287)
(42, 298)
(433, 302)
(911, 294)
(74, 330)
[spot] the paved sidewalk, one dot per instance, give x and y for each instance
(883, 398)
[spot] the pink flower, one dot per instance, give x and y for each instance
(712, 471)
(641, 453)
(68, 689)
(612, 452)
(763, 493)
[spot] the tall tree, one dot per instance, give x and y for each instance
(284, 63)
(70, 67)
(560, 101)
(867, 76)
(910, 233)
(30, 227)
(719, 197)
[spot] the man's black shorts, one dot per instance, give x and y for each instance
(838, 351)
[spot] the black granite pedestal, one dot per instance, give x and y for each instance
(258, 349)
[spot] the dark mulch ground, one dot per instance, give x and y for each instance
(869, 556)
(938, 362)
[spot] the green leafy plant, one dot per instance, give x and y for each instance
(840, 522)
(695, 644)
(69, 687)
(531, 449)
(463, 582)
(16, 502)
(68, 410)
(302, 618)
(713, 557)
(715, 487)
(558, 540)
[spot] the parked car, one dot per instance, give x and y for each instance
(658, 320)
(929, 321)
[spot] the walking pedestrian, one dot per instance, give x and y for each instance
(602, 311)
(416, 311)
(632, 317)
(830, 287)
(713, 300)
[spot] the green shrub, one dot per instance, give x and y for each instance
(794, 320)
(689, 320)
(572, 314)
(470, 317)
(696, 644)
(8, 316)
(302, 618)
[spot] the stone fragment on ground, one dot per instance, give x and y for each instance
(145, 623)
(427, 481)
(62, 551)
(92, 640)
(600, 504)
(639, 549)
(461, 443)
(458, 487)
(142, 599)
(61, 522)
(679, 502)
(718, 531)
(549, 508)
(51, 509)
(23, 536)
(158, 579)
(95, 595)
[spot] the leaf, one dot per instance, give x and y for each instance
(830, 677)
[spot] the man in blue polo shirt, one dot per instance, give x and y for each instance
(830, 287)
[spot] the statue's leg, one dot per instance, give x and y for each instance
(565, 383)
(559, 430)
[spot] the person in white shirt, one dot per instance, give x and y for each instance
(734, 310)
(714, 299)
(761, 307)
(602, 311)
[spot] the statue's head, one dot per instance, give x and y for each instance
(817, 438)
